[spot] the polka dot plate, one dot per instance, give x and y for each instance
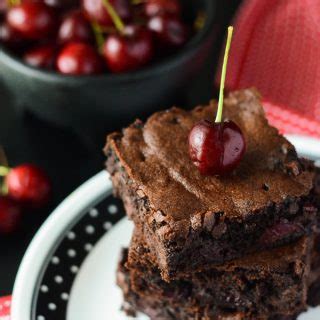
(68, 271)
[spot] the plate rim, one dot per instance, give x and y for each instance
(92, 191)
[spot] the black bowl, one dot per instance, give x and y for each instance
(94, 105)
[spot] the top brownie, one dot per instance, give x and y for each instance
(193, 221)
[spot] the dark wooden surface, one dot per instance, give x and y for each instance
(66, 159)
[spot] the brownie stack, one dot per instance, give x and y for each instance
(241, 246)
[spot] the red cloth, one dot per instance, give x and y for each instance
(5, 305)
(276, 48)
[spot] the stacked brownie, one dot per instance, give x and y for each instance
(240, 246)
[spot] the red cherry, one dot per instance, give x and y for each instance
(216, 148)
(75, 27)
(78, 58)
(159, 7)
(62, 4)
(33, 20)
(96, 11)
(9, 37)
(10, 215)
(29, 185)
(129, 50)
(42, 56)
(3, 6)
(169, 31)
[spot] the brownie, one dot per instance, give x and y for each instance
(194, 221)
(265, 283)
(160, 304)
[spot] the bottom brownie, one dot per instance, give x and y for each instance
(270, 282)
(160, 309)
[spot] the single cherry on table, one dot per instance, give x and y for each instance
(217, 148)
(28, 185)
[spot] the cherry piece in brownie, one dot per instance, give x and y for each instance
(194, 221)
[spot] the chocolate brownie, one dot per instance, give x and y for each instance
(265, 283)
(163, 301)
(194, 221)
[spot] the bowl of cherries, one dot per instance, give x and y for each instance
(97, 64)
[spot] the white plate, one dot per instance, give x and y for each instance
(92, 294)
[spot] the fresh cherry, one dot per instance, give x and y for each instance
(41, 56)
(33, 20)
(78, 58)
(10, 38)
(10, 215)
(3, 6)
(217, 148)
(129, 50)
(97, 12)
(75, 27)
(62, 4)
(160, 7)
(169, 31)
(29, 185)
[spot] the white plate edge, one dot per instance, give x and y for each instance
(45, 239)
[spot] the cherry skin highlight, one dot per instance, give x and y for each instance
(130, 50)
(216, 148)
(33, 20)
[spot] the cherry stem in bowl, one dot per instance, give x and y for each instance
(98, 33)
(114, 16)
(4, 171)
(14, 2)
(223, 76)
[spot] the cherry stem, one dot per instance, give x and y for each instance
(223, 75)
(14, 2)
(114, 16)
(4, 171)
(137, 2)
(98, 33)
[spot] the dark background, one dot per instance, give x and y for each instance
(67, 160)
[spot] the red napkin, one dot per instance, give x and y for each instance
(276, 48)
(5, 304)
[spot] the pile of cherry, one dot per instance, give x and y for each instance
(92, 36)
(24, 188)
